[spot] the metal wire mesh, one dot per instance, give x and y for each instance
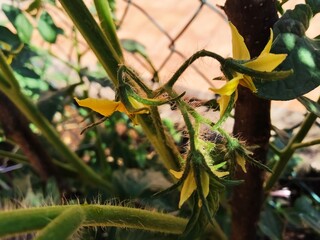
(170, 31)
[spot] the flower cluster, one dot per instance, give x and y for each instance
(266, 62)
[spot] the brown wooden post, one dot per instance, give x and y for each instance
(253, 19)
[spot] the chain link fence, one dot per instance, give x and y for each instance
(171, 31)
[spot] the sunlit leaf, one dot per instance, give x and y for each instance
(303, 57)
(19, 21)
(47, 28)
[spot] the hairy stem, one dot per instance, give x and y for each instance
(63, 226)
(14, 222)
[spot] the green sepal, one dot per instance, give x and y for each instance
(197, 175)
(154, 102)
(257, 163)
(197, 222)
(265, 76)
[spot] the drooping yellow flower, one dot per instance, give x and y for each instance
(266, 62)
(189, 185)
(107, 107)
(241, 162)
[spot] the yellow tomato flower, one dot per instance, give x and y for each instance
(241, 162)
(266, 62)
(189, 185)
(219, 174)
(107, 107)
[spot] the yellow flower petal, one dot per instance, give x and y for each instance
(248, 83)
(122, 108)
(188, 188)
(205, 182)
(267, 48)
(176, 174)
(103, 106)
(241, 162)
(266, 62)
(223, 103)
(229, 87)
(239, 48)
(219, 174)
(138, 105)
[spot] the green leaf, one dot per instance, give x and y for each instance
(52, 101)
(304, 214)
(47, 28)
(9, 39)
(112, 4)
(304, 205)
(136, 182)
(53, 2)
(133, 46)
(292, 217)
(35, 5)
(303, 57)
(271, 224)
(197, 222)
(315, 6)
(310, 105)
(11, 12)
(311, 222)
(19, 21)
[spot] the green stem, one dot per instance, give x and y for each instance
(9, 79)
(186, 64)
(306, 144)
(109, 59)
(14, 156)
(238, 67)
(137, 80)
(98, 42)
(226, 113)
(18, 158)
(34, 219)
(107, 25)
(288, 151)
(160, 139)
(274, 149)
(34, 116)
(63, 226)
